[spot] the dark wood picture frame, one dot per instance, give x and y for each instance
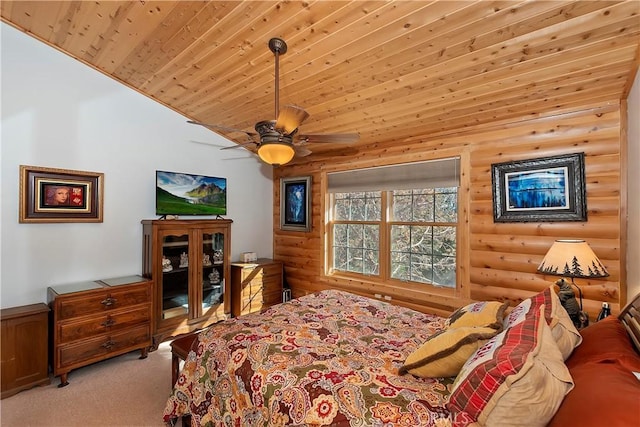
(60, 195)
(295, 203)
(540, 190)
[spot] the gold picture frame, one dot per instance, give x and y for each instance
(60, 195)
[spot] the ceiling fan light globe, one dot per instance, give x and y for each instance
(276, 153)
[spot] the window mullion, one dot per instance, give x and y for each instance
(385, 236)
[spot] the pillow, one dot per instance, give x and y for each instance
(516, 378)
(605, 394)
(444, 353)
(484, 313)
(562, 328)
(605, 341)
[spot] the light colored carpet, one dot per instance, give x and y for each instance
(124, 391)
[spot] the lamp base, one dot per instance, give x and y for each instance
(568, 300)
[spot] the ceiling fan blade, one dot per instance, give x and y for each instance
(290, 117)
(222, 128)
(301, 151)
(239, 145)
(339, 138)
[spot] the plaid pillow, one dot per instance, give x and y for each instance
(517, 377)
(562, 329)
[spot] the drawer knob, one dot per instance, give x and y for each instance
(108, 322)
(108, 301)
(109, 344)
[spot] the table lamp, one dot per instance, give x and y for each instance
(572, 258)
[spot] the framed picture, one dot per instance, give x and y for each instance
(60, 195)
(295, 204)
(539, 190)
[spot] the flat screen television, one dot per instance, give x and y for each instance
(188, 194)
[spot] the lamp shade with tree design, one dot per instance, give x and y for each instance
(572, 258)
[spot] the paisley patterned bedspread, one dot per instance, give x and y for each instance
(329, 358)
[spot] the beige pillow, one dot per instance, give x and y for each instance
(517, 379)
(445, 352)
(564, 331)
(483, 313)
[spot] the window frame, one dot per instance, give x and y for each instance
(385, 249)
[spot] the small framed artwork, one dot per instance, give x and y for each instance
(295, 204)
(540, 190)
(60, 195)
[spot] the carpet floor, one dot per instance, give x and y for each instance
(124, 391)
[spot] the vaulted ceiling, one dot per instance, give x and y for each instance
(391, 71)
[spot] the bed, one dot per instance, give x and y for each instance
(339, 359)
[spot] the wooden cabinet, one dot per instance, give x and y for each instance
(255, 286)
(96, 320)
(189, 262)
(24, 348)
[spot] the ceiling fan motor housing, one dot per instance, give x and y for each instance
(268, 133)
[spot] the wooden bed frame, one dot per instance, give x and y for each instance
(630, 318)
(180, 348)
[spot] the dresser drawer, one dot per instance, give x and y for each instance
(102, 346)
(112, 322)
(262, 273)
(251, 275)
(260, 301)
(251, 288)
(101, 301)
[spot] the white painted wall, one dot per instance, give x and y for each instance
(57, 112)
(633, 192)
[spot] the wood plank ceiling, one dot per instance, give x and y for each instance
(393, 71)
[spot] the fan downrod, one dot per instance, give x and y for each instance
(278, 45)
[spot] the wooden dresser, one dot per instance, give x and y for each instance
(24, 348)
(96, 320)
(255, 286)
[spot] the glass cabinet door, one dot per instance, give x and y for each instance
(175, 276)
(213, 271)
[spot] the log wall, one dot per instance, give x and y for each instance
(496, 260)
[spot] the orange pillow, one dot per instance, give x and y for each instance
(604, 394)
(605, 341)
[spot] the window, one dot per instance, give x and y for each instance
(406, 233)
(356, 232)
(423, 235)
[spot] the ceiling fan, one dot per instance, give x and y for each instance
(278, 140)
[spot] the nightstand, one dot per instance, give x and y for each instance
(24, 348)
(255, 286)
